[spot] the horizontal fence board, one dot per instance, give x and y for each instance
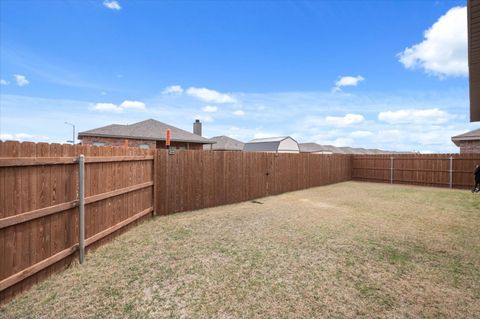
(19, 276)
(25, 217)
(103, 196)
(105, 159)
(112, 229)
(427, 170)
(28, 161)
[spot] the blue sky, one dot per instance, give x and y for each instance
(380, 74)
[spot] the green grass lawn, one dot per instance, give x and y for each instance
(345, 250)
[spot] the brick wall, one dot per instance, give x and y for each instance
(181, 145)
(110, 141)
(467, 147)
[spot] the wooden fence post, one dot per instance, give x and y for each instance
(154, 168)
(450, 172)
(81, 208)
(391, 170)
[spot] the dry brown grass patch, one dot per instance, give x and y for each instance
(341, 251)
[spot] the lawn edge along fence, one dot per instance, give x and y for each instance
(40, 199)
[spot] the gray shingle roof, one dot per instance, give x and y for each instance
(314, 147)
(224, 143)
(468, 136)
(269, 144)
(146, 130)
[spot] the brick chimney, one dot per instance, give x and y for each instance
(197, 127)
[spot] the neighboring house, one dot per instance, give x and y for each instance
(468, 142)
(474, 58)
(284, 144)
(224, 143)
(146, 134)
(314, 148)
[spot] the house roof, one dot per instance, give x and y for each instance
(146, 130)
(269, 144)
(468, 136)
(224, 143)
(314, 147)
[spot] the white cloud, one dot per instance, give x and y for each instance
(285, 113)
(5, 137)
(423, 116)
(173, 89)
(239, 113)
(443, 52)
(343, 141)
(112, 4)
(204, 118)
(348, 81)
(211, 96)
(21, 79)
(266, 134)
(107, 107)
(125, 105)
(346, 120)
(361, 134)
(24, 137)
(132, 105)
(210, 109)
(4, 82)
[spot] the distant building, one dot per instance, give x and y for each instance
(314, 148)
(468, 142)
(146, 134)
(284, 144)
(224, 143)
(473, 18)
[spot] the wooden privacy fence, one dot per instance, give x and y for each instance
(39, 199)
(192, 180)
(441, 170)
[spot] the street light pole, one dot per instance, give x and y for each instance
(73, 135)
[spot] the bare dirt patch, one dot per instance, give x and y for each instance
(345, 250)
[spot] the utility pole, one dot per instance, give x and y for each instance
(73, 135)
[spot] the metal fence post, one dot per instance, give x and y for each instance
(450, 172)
(81, 208)
(391, 170)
